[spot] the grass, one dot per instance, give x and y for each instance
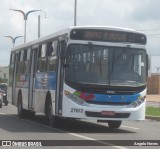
(153, 111)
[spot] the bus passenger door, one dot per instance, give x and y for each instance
(15, 67)
(31, 91)
(60, 76)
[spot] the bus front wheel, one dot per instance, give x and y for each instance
(114, 124)
(49, 113)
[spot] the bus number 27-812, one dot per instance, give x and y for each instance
(74, 110)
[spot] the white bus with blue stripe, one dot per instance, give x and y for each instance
(94, 73)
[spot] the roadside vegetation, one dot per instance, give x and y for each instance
(3, 80)
(153, 111)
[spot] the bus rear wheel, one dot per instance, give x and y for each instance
(21, 111)
(114, 124)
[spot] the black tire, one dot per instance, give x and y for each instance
(114, 124)
(49, 114)
(21, 111)
(6, 103)
(30, 114)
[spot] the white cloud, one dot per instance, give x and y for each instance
(136, 14)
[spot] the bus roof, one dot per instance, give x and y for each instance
(107, 28)
(67, 30)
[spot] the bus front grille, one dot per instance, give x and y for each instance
(109, 103)
(98, 114)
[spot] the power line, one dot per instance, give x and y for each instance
(153, 29)
(153, 35)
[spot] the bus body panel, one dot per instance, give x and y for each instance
(36, 86)
(40, 97)
(9, 94)
(75, 110)
(24, 93)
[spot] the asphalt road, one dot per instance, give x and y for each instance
(13, 128)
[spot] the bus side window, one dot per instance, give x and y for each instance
(51, 53)
(20, 63)
(42, 65)
(49, 49)
(27, 55)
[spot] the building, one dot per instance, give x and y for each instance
(153, 84)
(153, 81)
(4, 73)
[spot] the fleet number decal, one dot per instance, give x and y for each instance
(74, 110)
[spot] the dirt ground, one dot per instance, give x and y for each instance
(153, 97)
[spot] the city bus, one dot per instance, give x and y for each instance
(86, 72)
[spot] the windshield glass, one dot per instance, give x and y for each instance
(93, 64)
(127, 67)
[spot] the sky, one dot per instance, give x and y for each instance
(141, 15)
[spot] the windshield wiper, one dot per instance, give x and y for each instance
(99, 62)
(115, 59)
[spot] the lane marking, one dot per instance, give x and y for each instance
(72, 134)
(129, 127)
(98, 141)
(80, 136)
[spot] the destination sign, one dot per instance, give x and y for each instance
(107, 35)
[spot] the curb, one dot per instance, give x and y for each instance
(157, 100)
(153, 117)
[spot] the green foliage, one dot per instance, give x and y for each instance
(153, 111)
(3, 80)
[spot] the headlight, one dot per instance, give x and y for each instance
(137, 102)
(75, 99)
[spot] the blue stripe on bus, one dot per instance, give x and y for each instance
(46, 81)
(115, 98)
(106, 98)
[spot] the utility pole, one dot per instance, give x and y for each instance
(39, 24)
(75, 13)
(25, 16)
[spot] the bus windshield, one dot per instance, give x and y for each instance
(103, 65)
